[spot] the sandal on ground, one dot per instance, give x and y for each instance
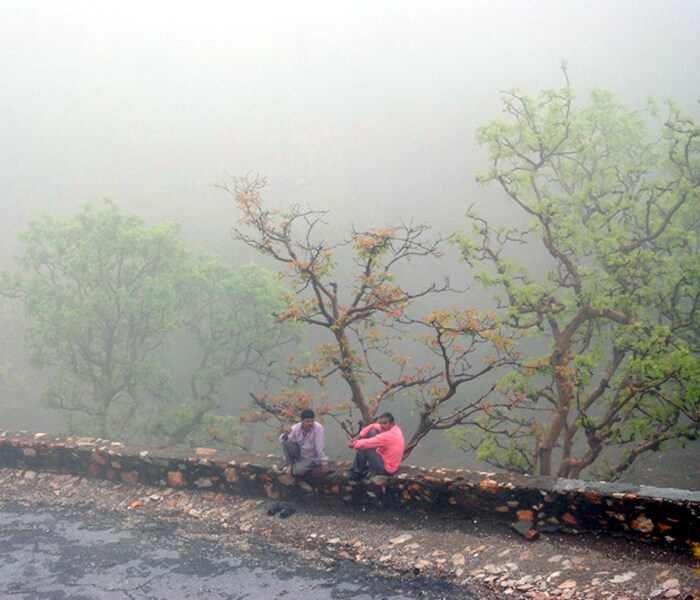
(287, 511)
(274, 510)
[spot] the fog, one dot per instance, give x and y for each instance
(365, 109)
(368, 109)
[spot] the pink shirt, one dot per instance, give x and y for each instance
(389, 445)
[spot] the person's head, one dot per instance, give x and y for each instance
(386, 421)
(307, 418)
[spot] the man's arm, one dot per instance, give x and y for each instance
(360, 436)
(352, 440)
(320, 441)
(374, 442)
(284, 436)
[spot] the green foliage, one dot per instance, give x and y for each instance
(101, 292)
(614, 289)
(105, 294)
(13, 384)
(236, 331)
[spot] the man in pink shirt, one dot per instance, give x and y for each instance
(379, 446)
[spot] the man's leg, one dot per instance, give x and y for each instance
(372, 458)
(292, 453)
(297, 465)
(302, 467)
(360, 462)
(363, 459)
(368, 457)
(376, 462)
(359, 465)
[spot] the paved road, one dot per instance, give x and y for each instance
(47, 555)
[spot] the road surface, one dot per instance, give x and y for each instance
(47, 554)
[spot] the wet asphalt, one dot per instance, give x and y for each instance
(50, 555)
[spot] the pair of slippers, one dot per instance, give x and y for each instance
(284, 511)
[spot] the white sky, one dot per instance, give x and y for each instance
(367, 108)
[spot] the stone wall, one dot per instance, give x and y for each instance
(529, 504)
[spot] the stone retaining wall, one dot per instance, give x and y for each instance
(529, 504)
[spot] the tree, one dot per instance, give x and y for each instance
(613, 290)
(105, 294)
(13, 385)
(235, 331)
(367, 318)
(102, 292)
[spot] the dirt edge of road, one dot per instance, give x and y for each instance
(485, 560)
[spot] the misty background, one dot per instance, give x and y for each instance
(367, 110)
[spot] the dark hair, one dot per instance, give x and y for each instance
(386, 416)
(307, 413)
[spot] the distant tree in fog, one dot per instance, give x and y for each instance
(233, 323)
(614, 290)
(104, 293)
(367, 316)
(13, 385)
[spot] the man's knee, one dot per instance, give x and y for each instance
(302, 467)
(291, 450)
